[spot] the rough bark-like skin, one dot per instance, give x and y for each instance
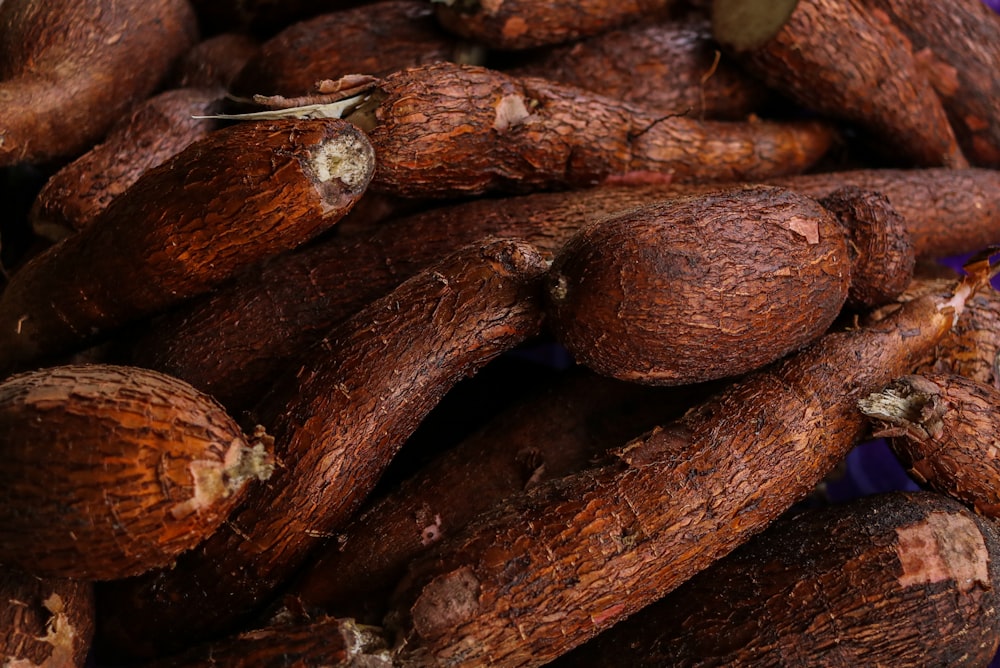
(375, 39)
(214, 62)
(881, 249)
(699, 287)
(667, 68)
(947, 211)
(451, 130)
(109, 471)
(958, 46)
(522, 24)
(325, 643)
(546, 571)
(301, 295)
(973, 347)
(155, 131)
(235, 197)
(70, 69)
(336, 424)
(44, 622)
(838, 58)
(889, 580)
(946, 431)
(559, 431)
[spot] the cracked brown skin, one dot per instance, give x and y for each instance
(337, 422)
(46, 622)
(829, 587)
(666, 67)
(155, 131)
(302, 294)
(109, 471)
(973, 347)
(377, 39)
(522, 24)
(549, 569)
(948, 437)
(562, 429)
(227, 201)
(326, 642)
(450, 130)
(699, 288)
(957, 44)
(947, 211)
(69, 70)
(839, 58)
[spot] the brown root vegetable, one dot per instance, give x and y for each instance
(552, 433)
(68, 70)
(900, 579)
(451, 130)
(946, 431)
(377, 39)
(44, 622)
(110, 471)
(703, 287)
(973, 348)
(947, 211)
(958, 46)
(214, 62)
(881, 248)
(249, 191)
(547, 570)
(327, 642)
(263, 18)
(302, 294)
(336, 424)
(154, 132)
(522, 24)
(667, 67)
(839, 58)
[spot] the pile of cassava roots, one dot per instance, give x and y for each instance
(498, 332)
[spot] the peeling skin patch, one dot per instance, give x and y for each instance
(943, 547)
(805, 227)
(59, 633)
(511, 112)
(446, 601)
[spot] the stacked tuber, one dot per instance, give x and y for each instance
(214, 435)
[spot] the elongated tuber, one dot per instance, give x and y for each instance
(900, 579)
(249, 191)
(336, 424)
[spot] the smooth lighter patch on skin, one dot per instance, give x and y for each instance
(944, 547)
(447, 601)
(511, 112)
(806, 227)
(348, 158)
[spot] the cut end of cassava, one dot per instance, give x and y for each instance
(346, 161)
(912, 404)
(745, 25)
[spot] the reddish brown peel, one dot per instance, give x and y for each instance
(44, 622)
(840, 58)
(946, 431)
(154, 132)
(111, 471)
(450, 130)
(336, 424)
(571, 557)
(69, 70)
(893, 579)
(249, 192)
